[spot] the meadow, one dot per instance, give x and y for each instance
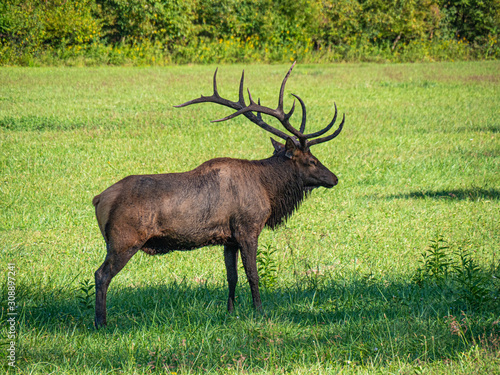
(393, 271)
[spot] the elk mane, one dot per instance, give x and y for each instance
(286, 191)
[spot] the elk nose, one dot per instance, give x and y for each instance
(333, 181)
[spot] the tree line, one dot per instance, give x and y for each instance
(199, 31)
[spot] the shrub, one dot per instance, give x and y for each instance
(167, 22)
(458, 272)
(208, 31)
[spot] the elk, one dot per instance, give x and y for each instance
(223, 201)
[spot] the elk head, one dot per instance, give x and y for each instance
(297, 145)
(312, 172)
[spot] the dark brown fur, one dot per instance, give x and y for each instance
(222, 202)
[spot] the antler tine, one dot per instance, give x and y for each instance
(290, 113)
(241, 111)
(216, 94)
(328, 127)
(240, 91)
(303, 122)
(282, 89)
(214, 98)
(331, 136)
(259, 115)
(286, 116)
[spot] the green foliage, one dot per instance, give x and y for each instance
(472, 20)
(409, 163)
(435, 262)
(474, 286)
(166, 22)
(341, 22)
(206, 31)
(460, 272)
(30, 25)
(266, 265)
(86, 293)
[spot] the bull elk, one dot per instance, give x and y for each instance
(224, 201)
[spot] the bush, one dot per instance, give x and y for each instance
(57, 22)
(458, 272)
(131, 21)
(206, 31)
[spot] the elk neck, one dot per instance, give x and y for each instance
(284, 187)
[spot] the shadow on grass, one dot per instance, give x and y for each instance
(453, 194)
(359, 319)
(494, 128)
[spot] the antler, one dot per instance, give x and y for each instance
(240, 104)
(278, 113)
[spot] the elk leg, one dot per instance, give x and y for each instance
(113, 263)
(249, 259)
(231, 260)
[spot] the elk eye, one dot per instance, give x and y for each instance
(313, 162)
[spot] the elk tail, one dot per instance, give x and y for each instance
(96, 200)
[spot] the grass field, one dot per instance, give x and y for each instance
(395, 270)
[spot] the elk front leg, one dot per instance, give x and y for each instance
(231, 260)
(249, 259)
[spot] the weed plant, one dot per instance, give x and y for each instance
(457, 273)
(395, 270)
(267, 266)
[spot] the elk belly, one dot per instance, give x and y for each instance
(187, 240)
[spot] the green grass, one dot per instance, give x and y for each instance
(419, 158)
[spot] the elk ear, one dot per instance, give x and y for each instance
(277, 146)
(290, 147)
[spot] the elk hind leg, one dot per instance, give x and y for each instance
(113, 264)
(231, 260)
